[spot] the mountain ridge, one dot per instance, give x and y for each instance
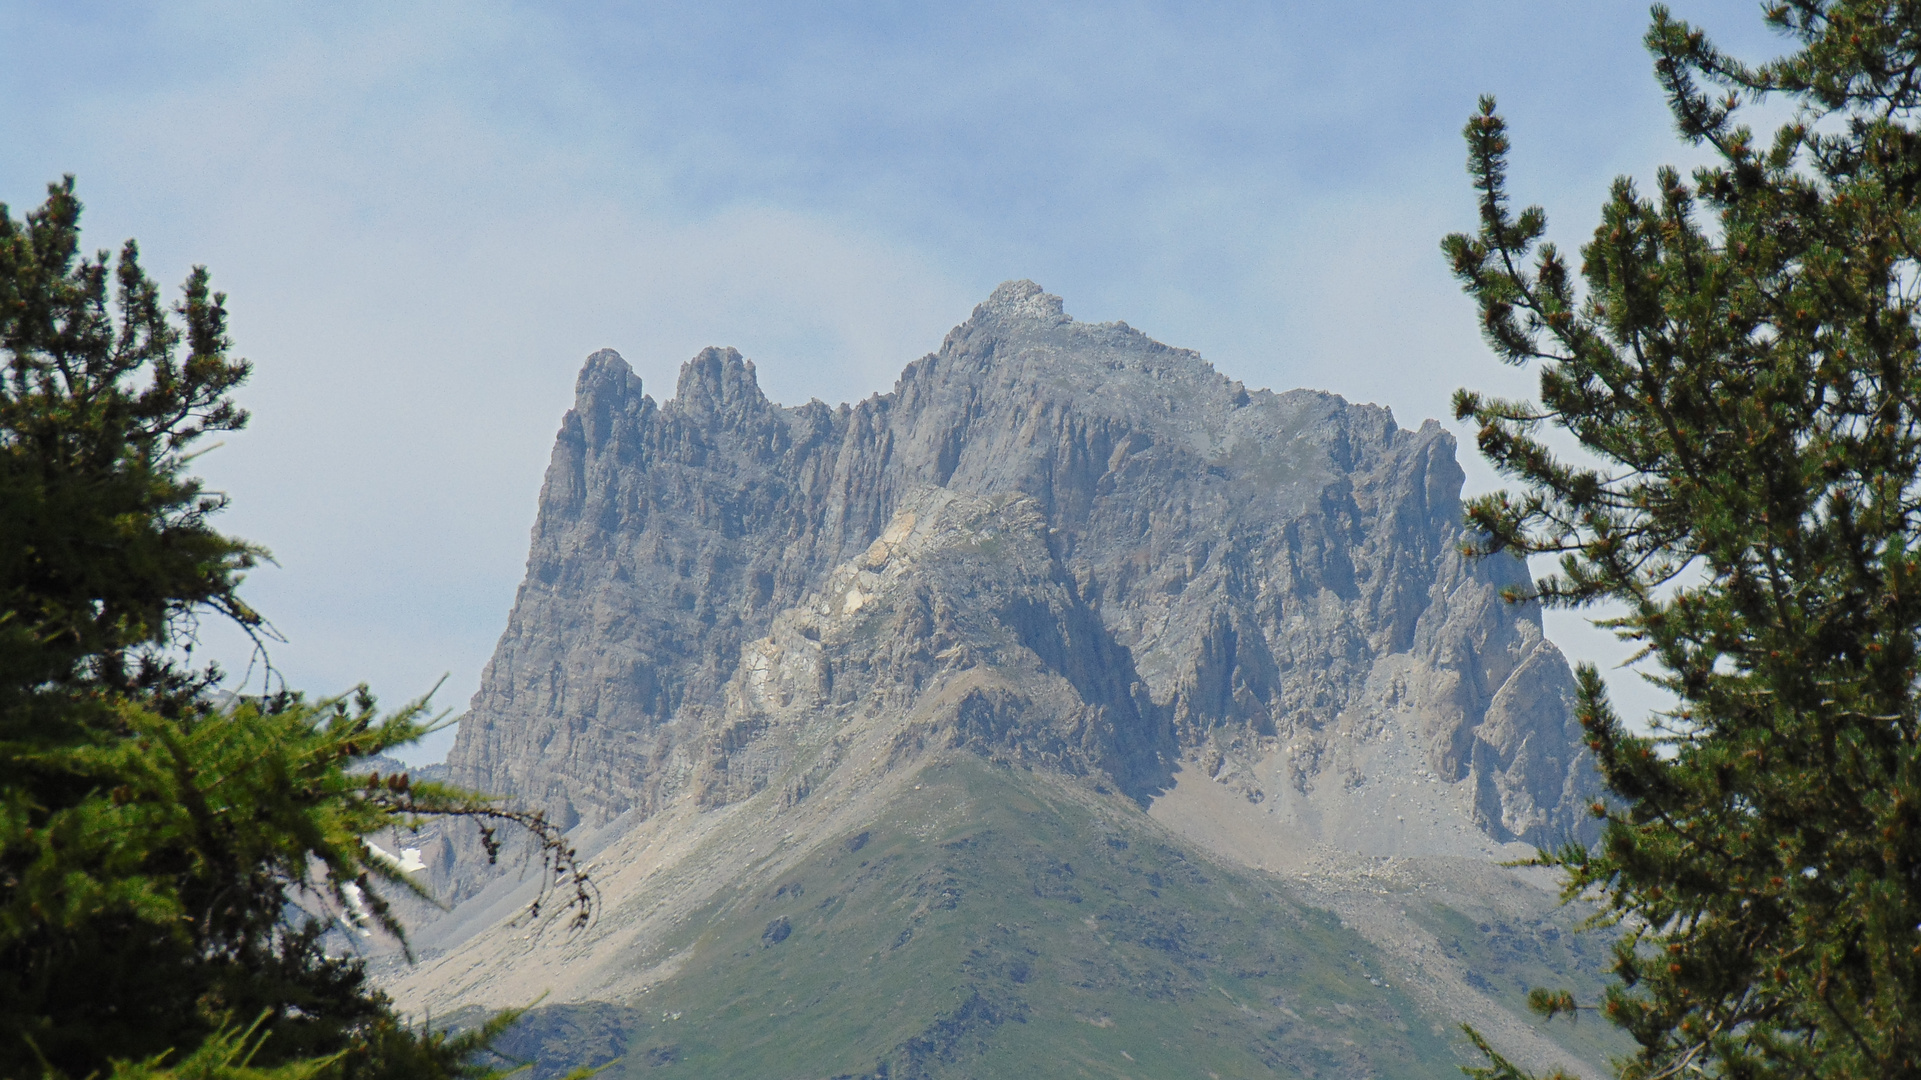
(1060, 566)
(1318, 537)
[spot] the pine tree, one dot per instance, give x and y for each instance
(170, 857)
(1740, 363)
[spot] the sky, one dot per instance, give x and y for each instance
(426, 215)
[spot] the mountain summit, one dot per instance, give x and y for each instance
(1065, 618)
(1265, 585)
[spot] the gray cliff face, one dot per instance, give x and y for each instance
(1067, 544)
(954, 629)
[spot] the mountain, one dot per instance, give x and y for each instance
(1069, 710)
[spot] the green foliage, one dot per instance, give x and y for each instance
(104, 541)
(1742, 370)
(225, 1055)
(390, 1050)
(171, 859)
(1497, 1067)
(190, 884)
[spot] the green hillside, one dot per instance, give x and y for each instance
(1507, 958)
(995, 925)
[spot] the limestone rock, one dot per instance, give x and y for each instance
(956, 628)
(1058, 543)
(927, 659)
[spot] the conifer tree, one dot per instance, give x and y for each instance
(1738, 357)
(171, 858)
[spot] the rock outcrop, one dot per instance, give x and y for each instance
(956, 629)
(1057, 543)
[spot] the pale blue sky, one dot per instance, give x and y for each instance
(428, 214)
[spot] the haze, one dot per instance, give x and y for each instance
(427, 215)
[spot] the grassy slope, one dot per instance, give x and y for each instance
(994, 926)
(1507, 958)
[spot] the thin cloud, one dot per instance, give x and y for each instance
(428, 214)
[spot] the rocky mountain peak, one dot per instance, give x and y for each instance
(1262, 589)
(716, 382)
(605, 371)
(607, 389)
(824, 694)
(1021, 302)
